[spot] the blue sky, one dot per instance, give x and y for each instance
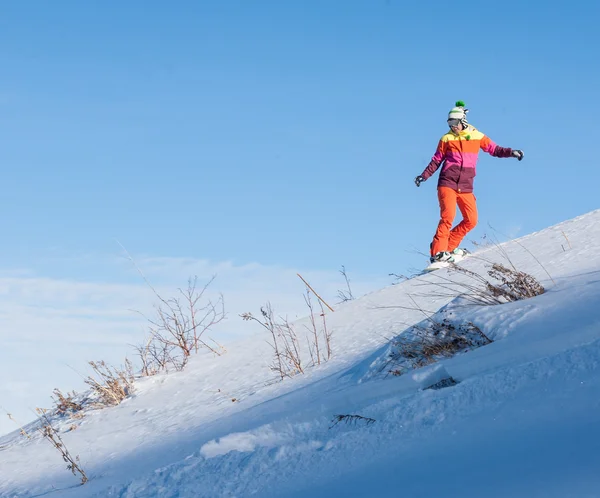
(255, 139)
(283, 132)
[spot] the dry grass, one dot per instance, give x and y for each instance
(515, 285)
(111, 385)
(499, 285)
(65, 404)
(506, 285)
(420, 346)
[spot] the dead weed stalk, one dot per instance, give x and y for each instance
(51, 434)
(287, 360)
(351, 420)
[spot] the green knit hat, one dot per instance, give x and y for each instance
(459, 112)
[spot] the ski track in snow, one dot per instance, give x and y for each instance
(523, 420)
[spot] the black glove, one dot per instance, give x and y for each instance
(418, 180)
(518, 154)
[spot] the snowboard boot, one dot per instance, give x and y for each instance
(443, 256)
(459, 251)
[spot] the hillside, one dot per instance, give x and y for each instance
(523, 418)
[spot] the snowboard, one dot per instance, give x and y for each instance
(444, 264)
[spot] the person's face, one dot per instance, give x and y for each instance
(455, 125)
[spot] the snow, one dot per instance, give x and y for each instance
(522, 419)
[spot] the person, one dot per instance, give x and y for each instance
(457, 153)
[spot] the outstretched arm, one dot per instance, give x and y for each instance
(487, 145)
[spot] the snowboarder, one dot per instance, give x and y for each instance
(457, 153)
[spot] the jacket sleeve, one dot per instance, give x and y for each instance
(487, 145)
(435, 162)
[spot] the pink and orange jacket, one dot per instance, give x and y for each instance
(457, 153)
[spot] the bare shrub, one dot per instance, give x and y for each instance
(153, 358)
(423, 345)
(287, 360)
(112, 385)
(352, 420)
(288, 356)
(51, 434)
(179, 329)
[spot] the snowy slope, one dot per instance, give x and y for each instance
(524, 419)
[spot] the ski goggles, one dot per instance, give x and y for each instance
(453, 122)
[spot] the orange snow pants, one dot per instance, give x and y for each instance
(447, 238)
